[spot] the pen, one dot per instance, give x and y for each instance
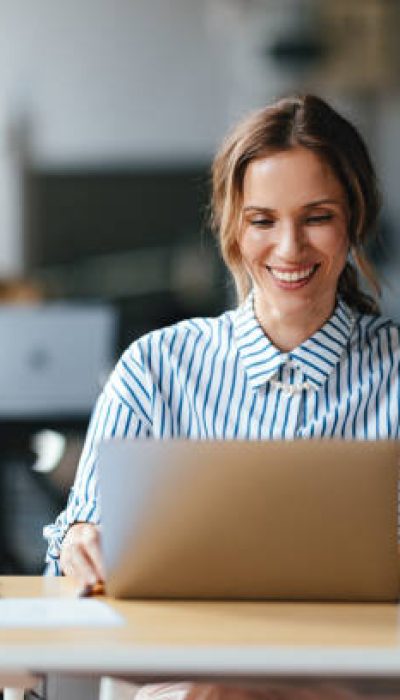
(91, 590)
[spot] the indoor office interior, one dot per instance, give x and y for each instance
(110, 114)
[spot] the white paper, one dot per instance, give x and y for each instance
(57, 612)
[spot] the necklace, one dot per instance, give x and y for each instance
(291, 389)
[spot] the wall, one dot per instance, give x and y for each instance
(96, 81)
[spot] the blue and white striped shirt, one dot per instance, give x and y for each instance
(221, 378)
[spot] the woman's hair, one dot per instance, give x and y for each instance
(310, 122)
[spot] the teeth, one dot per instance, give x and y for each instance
(292, 276)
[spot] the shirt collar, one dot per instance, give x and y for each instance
(316, 357)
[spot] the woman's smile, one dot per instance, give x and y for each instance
(292, 278)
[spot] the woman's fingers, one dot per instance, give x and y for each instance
(80, 566)
(92, 548)
(81, 554)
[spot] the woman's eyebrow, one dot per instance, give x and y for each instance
(319, 202)
(252, 207)
(308, 205)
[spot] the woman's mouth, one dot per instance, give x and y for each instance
(293, 279)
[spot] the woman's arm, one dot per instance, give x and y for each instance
(122, 411)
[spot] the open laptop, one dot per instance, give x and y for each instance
(300, 520)
(54, 358)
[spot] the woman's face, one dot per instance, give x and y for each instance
(294, 234)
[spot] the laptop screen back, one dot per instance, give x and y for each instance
(302, 520)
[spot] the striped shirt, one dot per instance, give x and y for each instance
(222, 378)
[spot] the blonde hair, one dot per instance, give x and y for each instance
(310, 122)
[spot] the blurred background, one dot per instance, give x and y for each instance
(110, 113)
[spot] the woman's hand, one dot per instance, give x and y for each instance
(81, 554)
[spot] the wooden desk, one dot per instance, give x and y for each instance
(209, 640)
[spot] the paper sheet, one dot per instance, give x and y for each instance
(56, 612)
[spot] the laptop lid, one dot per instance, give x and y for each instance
(54, 358)
(301, 520)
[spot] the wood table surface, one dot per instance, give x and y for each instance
(182, 639)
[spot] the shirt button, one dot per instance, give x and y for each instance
(292, 365)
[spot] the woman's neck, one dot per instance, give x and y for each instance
(288, 331)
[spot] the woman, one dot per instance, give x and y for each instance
(304, 355)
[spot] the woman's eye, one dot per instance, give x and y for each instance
(262, 223)
(319, 218)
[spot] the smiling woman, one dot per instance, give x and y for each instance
(304, 355)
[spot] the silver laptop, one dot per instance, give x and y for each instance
(54, 358)
(301, 520)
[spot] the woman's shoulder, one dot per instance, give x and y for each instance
(146, 358)
(378, 327)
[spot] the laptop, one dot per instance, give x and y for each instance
(280, 520)
(54, 358)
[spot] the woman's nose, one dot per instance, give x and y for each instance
(290, 240)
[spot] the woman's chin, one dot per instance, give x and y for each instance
(299, 302)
